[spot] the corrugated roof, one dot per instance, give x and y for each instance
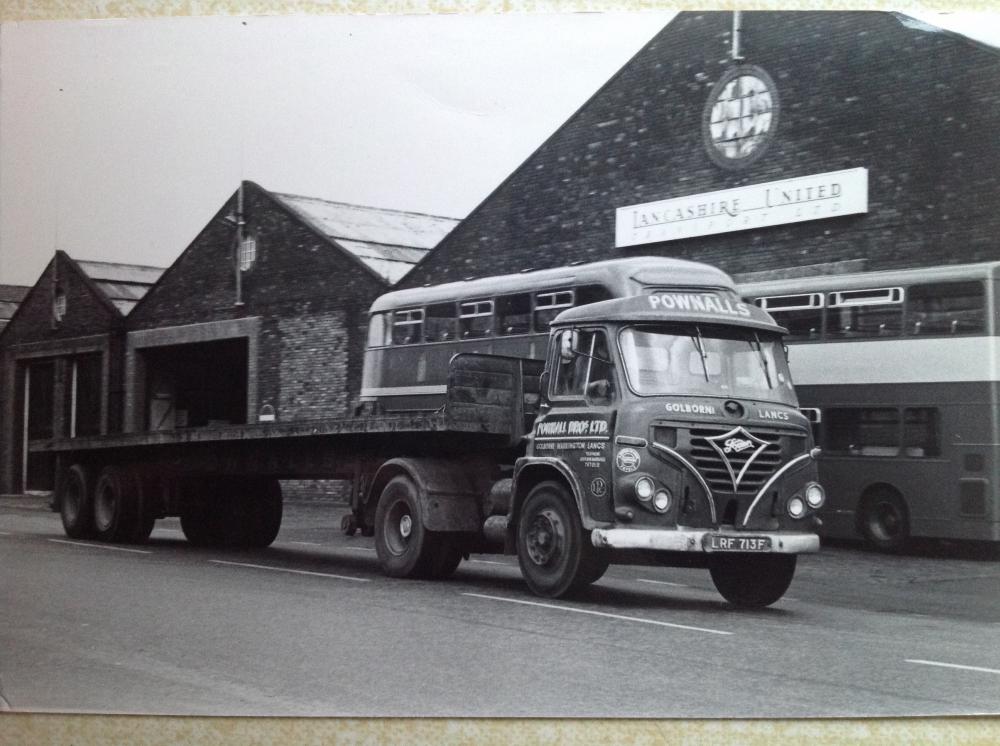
(13, 293)
(123, 284)
(390, 242)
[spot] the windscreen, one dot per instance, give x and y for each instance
(707, 361)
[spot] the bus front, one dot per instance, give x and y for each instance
(708, 460)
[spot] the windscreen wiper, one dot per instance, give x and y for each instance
(700, 344)
(762, 358)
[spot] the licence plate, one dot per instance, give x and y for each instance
(738, 543)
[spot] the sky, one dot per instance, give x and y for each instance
(119, 139)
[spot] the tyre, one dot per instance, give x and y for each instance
(261, 517)
(116, 505)
(884, 521)
(197, 521)
(75, 503)
(404, 547)
(593, 568)
(446, 556)
(553, 550)
(752, 581)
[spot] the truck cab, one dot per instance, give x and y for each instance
(669, 432)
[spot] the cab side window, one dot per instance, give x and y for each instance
(588, 373)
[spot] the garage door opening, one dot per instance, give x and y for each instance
(201, 384)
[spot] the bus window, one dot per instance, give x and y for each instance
(378, 330)
(920, 432)
(946, 308)
(815, 417)
(514, 314)
(476, 319)
(865, 313)
(550, 304)
(440, 323)
(802, 314)
(862, 431)
(407, 326)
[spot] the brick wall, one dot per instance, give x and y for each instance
(918, 109)
(311, 298)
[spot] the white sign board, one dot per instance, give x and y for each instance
(828, 195)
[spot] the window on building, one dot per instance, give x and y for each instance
(876, 312)
(550, 304)
(248, 252)
(801, 314)
(514, 314)
(440, 323)
(59, 305)
(946, 308)
(475, 319)
(407, 326)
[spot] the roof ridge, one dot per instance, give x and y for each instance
(393, 210)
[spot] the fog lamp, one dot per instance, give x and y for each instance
(796, 508)
(815, 495)
(644, 488)
(661, 501)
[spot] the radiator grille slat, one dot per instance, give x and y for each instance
(711, 465)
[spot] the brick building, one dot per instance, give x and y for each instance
(61, 368)
(282, 338)
(765, 143)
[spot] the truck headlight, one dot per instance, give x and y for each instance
(644, 488)
(796, 508)
(815, 495)
(661, 501)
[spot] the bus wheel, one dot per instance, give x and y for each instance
(75, 500)
(404, 547)
(752, 581)
(115, 504)
(884, 521)
(551, 548)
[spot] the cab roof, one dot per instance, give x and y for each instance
(672, 306)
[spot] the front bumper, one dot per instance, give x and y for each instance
(697, 540)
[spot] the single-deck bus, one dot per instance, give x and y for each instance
(413, 333)
(898, 371)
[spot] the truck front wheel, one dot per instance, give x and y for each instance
(752, 581)
(403, 545)
(552, 546)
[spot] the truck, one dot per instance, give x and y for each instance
(629, 411)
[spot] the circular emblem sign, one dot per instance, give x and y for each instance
(598, 487)
(627, 460)
(740, 117)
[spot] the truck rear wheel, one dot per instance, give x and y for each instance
(261, 517)
(552, 547)
(752, 580)
(404, 547)
(116, 505)
(197, 520)
(75, 503)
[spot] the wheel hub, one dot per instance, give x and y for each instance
(405, 526)
(545, 538)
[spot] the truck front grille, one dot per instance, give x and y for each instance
(713, 468)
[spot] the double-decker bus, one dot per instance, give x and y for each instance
(898, 371)
(414, 333)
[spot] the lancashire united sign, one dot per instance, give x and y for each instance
(815, 197)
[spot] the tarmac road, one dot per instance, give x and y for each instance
(311, 627)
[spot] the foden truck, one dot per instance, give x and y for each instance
(631, 411)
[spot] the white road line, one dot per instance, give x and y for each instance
(600, 613)
(307, 543)
(359, 549)
(491, 562)
(952, 665)
(296, 572)
(101, 546)
(663, 582)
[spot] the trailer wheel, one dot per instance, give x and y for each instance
(75, 501)
(752, 581)
(552, 549)
(116, 501)
(197, 521)
(146, 510)
(404, 547)
(884, 521)
(262, 519)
